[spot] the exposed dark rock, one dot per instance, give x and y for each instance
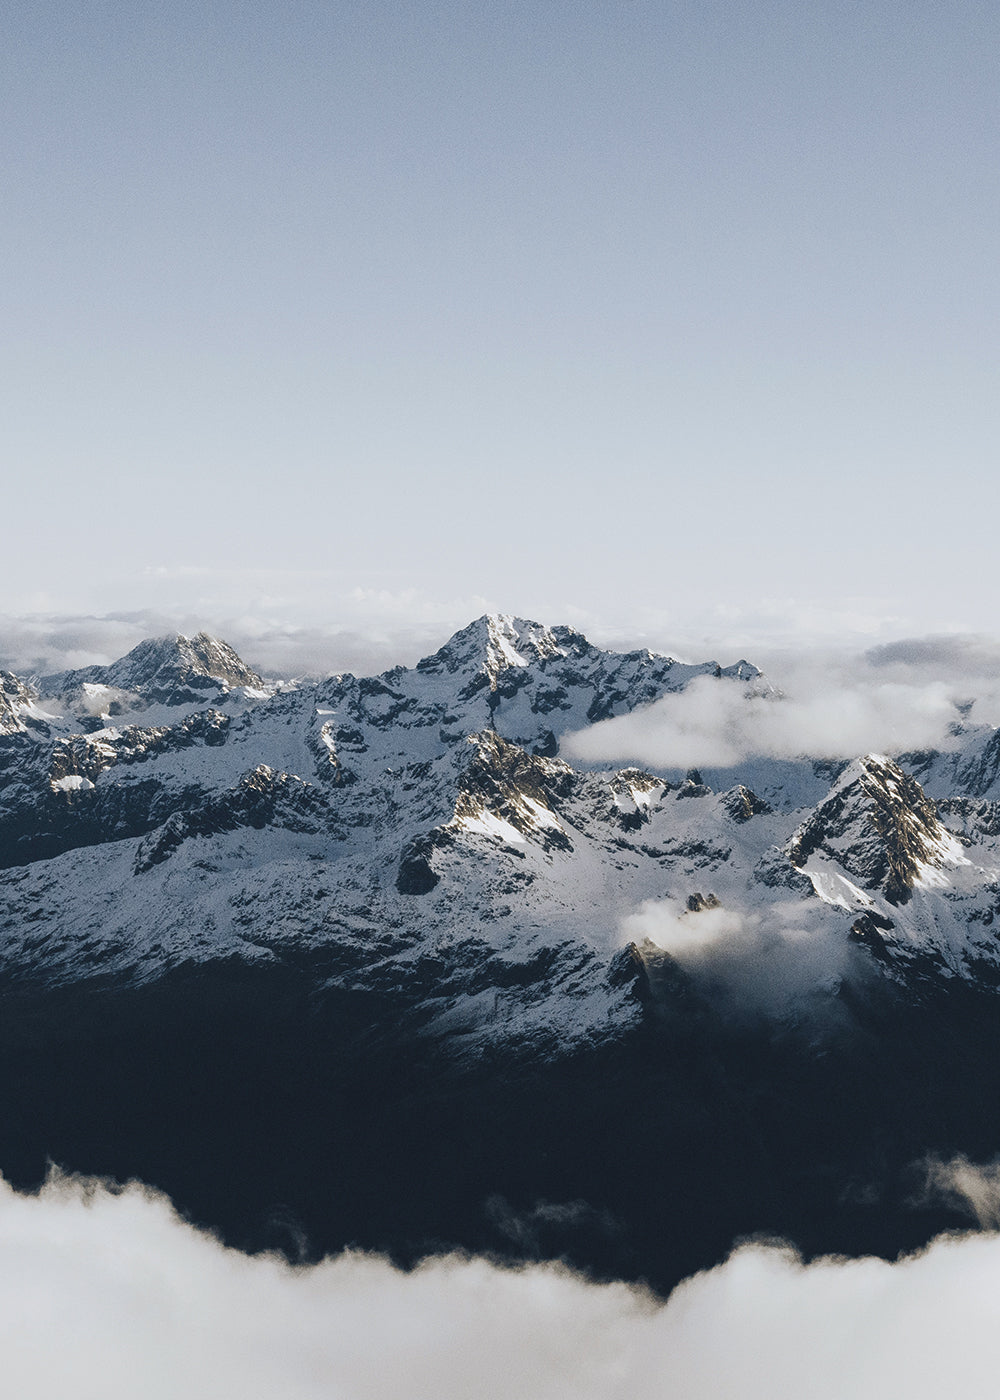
(741, 804)
(416, 876)
(501, 776)
(775, 871)
(692, 789)
(261, 798)
(869, 928)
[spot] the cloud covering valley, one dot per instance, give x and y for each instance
(107, 1293)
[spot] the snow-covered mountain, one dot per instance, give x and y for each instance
(380, 936)
(175, 807)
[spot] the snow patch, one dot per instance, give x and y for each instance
(946, 851)
(500, 629)
(634, 797)
(836, 889)
(73, 782)
(486, 823)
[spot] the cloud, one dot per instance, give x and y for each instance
(756, 963)
(43, 644)
(717, 723)
(108, 1294)
(938, 657)
(703, 629)
(528, 1230)
(318, 628)
(968, 665)
(965, 1186)
(690, 936)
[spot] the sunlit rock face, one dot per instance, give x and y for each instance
(880, 828)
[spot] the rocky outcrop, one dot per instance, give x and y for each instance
(878, 826)
(16, 698)
(260, 799)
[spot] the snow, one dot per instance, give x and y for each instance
(539, 815)
(486, 823)
(96, 699)
(501, 629)
(836, 889)
(947, 851)
(637, 797)
(36, 711)
(73, 782)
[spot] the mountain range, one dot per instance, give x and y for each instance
(369, 961)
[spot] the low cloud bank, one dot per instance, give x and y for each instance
(896, 696)
(109, 1295)
(716, 723)
(899, 696)
(42, 645)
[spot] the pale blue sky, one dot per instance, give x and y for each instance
(657, 315)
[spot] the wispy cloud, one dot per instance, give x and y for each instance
(973, 1189)
(110, 1294)
(756, 962)
(317, 627)
(42, 644)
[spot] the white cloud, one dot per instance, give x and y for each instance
(733, 629)
(716, 723)
(686, 935)
(318, 627)
(112, 1296)
(935, 657)
(968, 665)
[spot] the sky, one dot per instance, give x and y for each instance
(674, 319)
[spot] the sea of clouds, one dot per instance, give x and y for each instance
(105, 1294)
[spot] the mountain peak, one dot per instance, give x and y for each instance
(167, 662)
(15, 697)
(498, 642)
(878, 825)
(168, 670)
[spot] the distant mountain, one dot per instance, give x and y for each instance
(375, 932)
(167, 670)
